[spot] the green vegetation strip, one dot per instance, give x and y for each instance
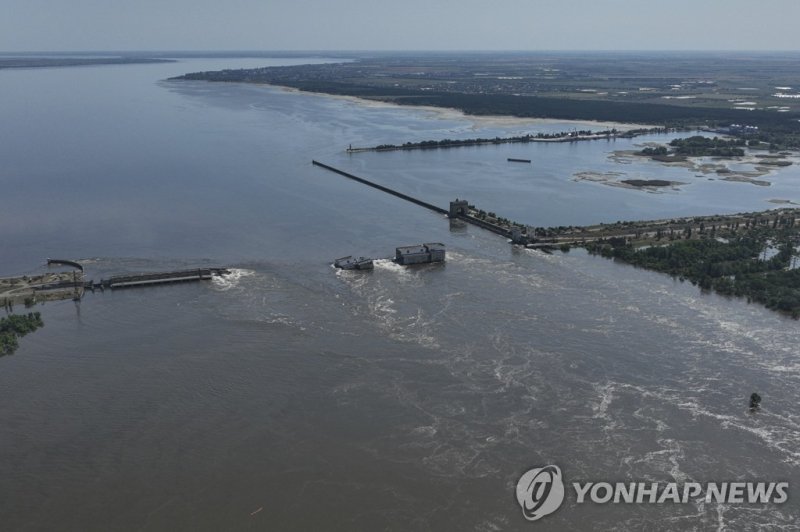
(564, 136)
(737, 266)
(455, 143)
(697, 146)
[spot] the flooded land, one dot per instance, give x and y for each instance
(291, 395)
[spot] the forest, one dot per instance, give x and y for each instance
(759, 264)
(693, 90)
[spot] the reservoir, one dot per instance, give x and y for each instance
(293, 396)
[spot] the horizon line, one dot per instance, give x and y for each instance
(386, 51)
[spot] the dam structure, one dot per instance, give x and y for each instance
(53, 286)
(459, 209)
(149, 279)
(382, 188)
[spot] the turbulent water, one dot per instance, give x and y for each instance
(292, 396)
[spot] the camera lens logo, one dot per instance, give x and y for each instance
(540, 492)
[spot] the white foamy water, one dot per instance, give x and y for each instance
(231, 280)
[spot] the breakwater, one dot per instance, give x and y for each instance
(564, 136)
(572, 136)
(64, 262)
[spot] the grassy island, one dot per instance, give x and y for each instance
(696, 146)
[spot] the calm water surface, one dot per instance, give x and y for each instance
(290, 396)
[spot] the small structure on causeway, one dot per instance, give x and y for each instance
(518, 237)
(459, 208)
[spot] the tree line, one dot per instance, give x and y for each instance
(454, 143)
(739, 266)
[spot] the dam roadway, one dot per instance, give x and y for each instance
(637, 233)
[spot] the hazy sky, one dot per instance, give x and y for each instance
(66, 25)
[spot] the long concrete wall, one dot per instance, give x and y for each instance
(382, 188)
(65, 263)
(467, 218)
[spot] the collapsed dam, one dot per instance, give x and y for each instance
(51, 286)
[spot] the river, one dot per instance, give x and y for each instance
(291, 396)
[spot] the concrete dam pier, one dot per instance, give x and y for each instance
(53, 286)
(149, 279)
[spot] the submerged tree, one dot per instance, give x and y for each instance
(15, 326)
(755, 401)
